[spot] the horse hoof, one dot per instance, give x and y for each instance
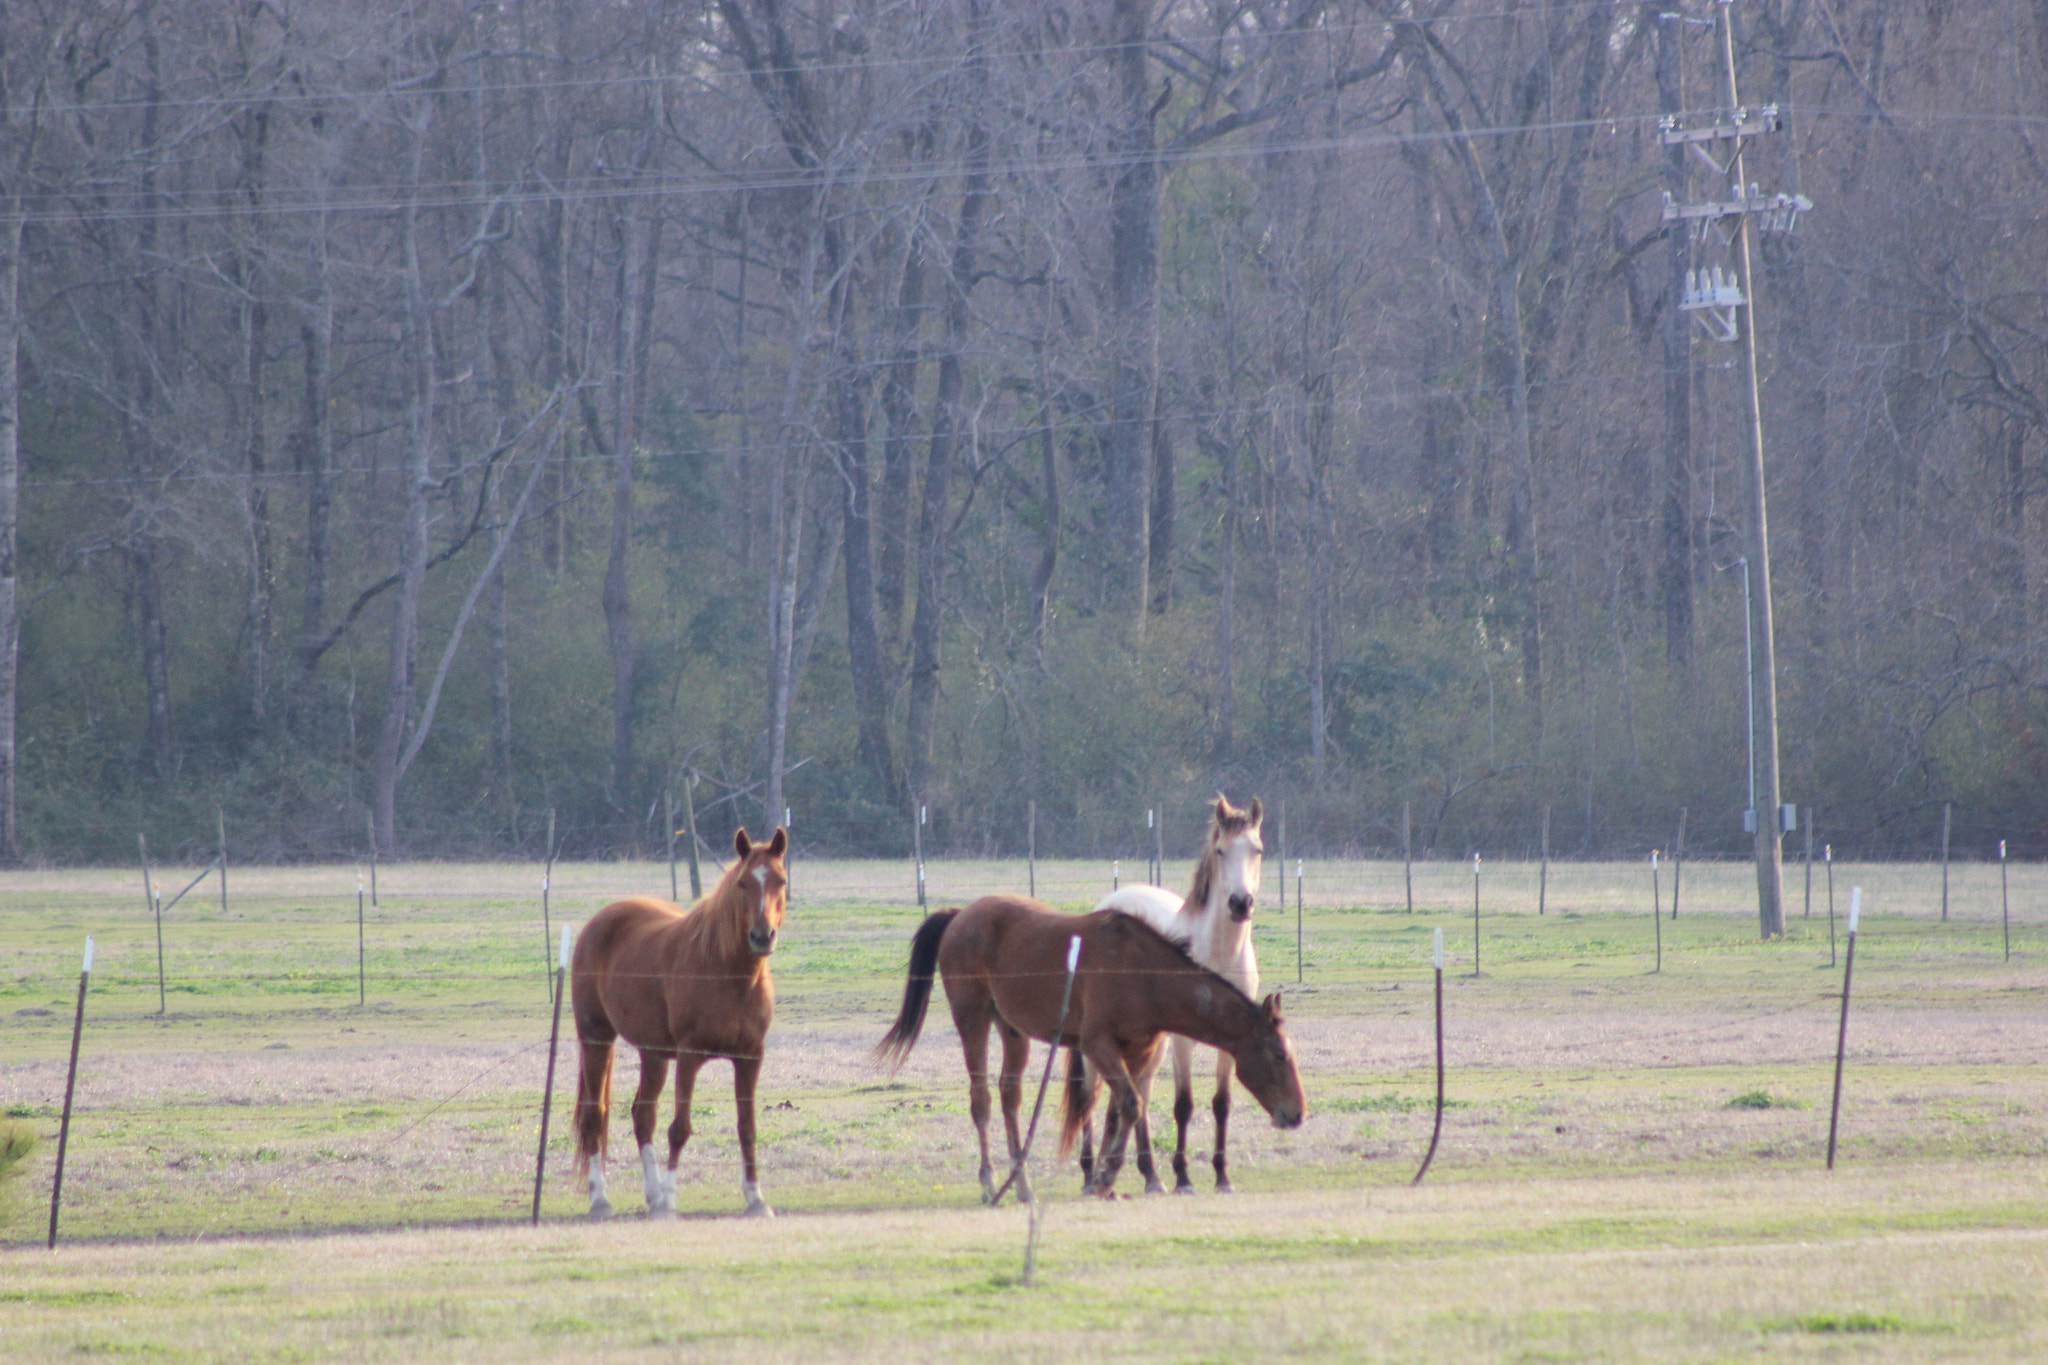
(1225, 1187)
(1185, 1187)
(759, 1209)
(1154, 1187)
(600, 1209)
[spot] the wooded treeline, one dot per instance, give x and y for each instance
(438, 414)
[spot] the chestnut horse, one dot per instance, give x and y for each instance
(1003, 960)
(683, 986)
(1214, 921)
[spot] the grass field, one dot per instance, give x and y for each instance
(1631, 1168)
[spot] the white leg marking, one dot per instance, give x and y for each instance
(757, 1207)
(600, 1206)
(660, 1194)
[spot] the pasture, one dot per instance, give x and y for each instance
(1631, 1169)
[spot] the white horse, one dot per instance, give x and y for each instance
(1213, 921)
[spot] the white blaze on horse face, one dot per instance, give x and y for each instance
(1243, 863)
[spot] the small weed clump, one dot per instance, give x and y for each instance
(16, 1143)
(1857, 1321)
(1764, 1099)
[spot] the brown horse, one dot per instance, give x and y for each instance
(683, 986)
(1003, 960)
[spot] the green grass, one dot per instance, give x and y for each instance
(1630, 1167)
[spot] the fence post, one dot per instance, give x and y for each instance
(1437, 1129)
(154, 900)
(1159, 850)
(1678, 863)
(788, 853)
(1657, 909)
(362, 988)
(70, 1085)
(2004, 901)
(1842, 1036)
(1807, 913)
(1031, 845)
(547, 875)
(370, 826)
(547, 1090)
(1297, 919)
(1407, 857)
(221, 826)
(1828, 854)
(917, 847)
(1283, 855)
(1475, 914)
(668, 822)
(690, 831)
(1947, 809)
(1543, 872)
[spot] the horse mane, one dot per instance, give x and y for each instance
(1227, 821)
(716, 926)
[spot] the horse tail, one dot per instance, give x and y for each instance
(1077, 1100)
(917, 990)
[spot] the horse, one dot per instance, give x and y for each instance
(684, 986)
(1003, 959)
(1214, 921)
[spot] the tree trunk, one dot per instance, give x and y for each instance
(415, 476)
(1134, 311)
(1049, 534)
(899, 407)
(863, 646)
(10, 513)
(1675, 568)
(936, 514)
(316, 465)
(631, 305)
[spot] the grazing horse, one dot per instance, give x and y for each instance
(683, 986)
(1214, 922)
(1003, 960)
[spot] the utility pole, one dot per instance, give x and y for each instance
(1723, 302)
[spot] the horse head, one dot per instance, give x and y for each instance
(763, 885)
(1239, 851)
(1265, 1063)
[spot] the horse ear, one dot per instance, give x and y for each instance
(741, 844)
(1258, 811)
(1222, 807)
(779, 844)
(1272, 1007)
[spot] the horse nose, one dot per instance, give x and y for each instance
(1241, 906)
(1288, 1115)
(761, 941)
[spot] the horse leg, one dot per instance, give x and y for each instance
(745, 1072)
(687, 1066)
(1081, 1099)
(653, 1075)
(1143, 1083)
(974, 1045)
(1183, 1110)
(1010, 1088)
(1121, 1116)
(593, 1118)
(1225, 1068)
